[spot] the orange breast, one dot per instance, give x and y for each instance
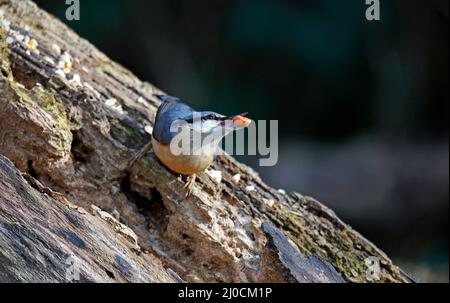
(183, 164)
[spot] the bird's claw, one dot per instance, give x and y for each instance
(189, 185)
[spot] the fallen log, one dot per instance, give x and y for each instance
(70, 119)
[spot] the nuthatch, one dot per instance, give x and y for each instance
(207, 123)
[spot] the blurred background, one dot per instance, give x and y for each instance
(362, 106)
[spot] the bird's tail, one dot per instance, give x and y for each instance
(140, 154)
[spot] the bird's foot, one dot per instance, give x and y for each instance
(189, 185)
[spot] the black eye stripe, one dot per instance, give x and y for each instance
(191, 120)
(207, 117)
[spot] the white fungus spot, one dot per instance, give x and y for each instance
(49, 60)
(250, 188)
(282, 191)
(60, 73)
(76, 80)
(216, 175)
(56, 49)
(268, 202)
(65, 62)
(6, 25)
(120, 110)
(236, 178)
(65, 57)
(20, 37)
(111, 102)
(148, 129)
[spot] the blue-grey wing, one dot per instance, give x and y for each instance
(168, 112)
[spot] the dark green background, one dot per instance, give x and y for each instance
(362, 106)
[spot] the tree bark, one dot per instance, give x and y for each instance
(45, 238)
(71, 119)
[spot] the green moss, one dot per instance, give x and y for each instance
(61, 136)
(347, 263)
(4, 60)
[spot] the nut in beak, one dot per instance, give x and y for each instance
(241, 121)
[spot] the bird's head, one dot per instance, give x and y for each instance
(209, 122)
(173, 115)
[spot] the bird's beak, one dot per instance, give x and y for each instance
(240, 120)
